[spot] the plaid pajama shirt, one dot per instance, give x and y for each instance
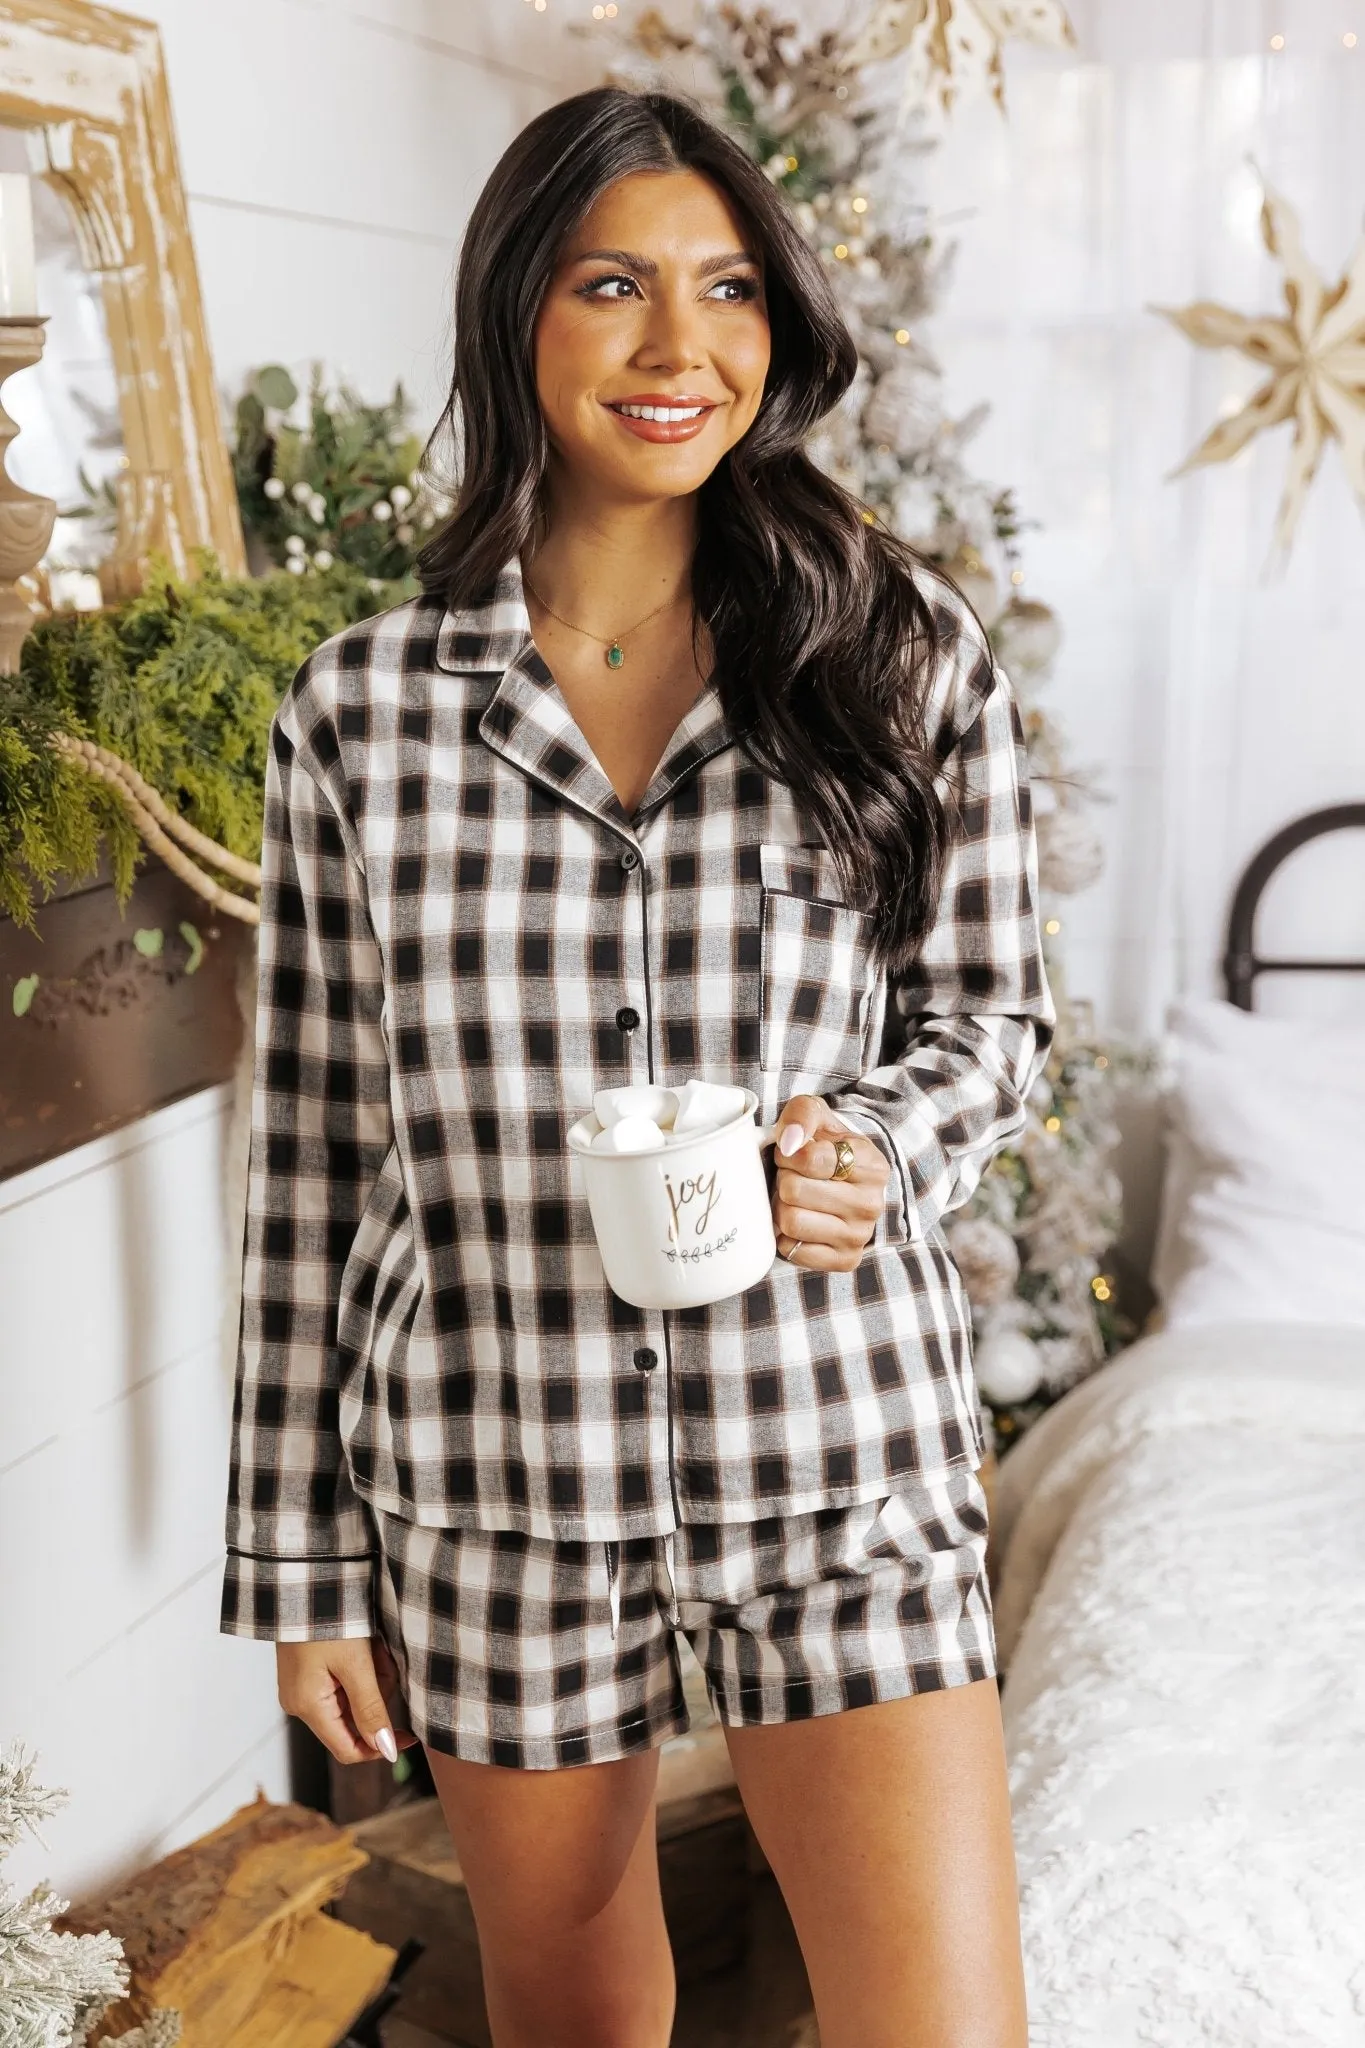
(463, 936)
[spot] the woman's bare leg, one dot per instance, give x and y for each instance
(563, 1880)
(888, 1829)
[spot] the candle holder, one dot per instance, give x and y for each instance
(25, 519)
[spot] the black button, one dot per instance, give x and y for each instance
(645, 1359)
(627, 1019)
(630, 859)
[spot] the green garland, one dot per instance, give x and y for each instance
(347, 485)
(181, 681)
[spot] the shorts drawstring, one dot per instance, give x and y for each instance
(614, 1586)
(673, 1618)
(613, 1550)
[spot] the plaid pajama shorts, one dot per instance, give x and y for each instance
(523, 1651)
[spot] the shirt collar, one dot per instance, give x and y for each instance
(528, 722)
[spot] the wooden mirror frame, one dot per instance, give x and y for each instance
(90, 87)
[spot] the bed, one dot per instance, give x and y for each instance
(1180, 1600)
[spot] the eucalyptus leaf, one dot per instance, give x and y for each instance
(150, 941)
(275, 387)
(24, 991)
(190, 935)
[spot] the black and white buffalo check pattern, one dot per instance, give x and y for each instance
(464, 936)
(536, 1655)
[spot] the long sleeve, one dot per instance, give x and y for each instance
(299, 1545)
(976, 1008)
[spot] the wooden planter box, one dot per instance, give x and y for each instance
(119, 1021)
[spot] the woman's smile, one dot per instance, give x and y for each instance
(655, 416)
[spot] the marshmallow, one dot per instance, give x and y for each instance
(706, 1106)
(612, 1104)
(629, 1134)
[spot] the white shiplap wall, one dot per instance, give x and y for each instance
(331, 149)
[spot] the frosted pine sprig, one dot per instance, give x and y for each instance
(53, 1986)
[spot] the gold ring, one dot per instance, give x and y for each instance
(843, 1160)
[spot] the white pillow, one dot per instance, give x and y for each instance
(1263, 1207)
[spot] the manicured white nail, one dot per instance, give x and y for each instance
(386, 1745)
(792, 1139)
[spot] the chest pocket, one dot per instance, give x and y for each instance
(817, 971)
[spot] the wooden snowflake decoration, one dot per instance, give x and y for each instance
(1315, 354)
(953, 45)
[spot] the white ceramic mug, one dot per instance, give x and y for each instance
(687, 1223)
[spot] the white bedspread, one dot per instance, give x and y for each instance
(1182, 1614)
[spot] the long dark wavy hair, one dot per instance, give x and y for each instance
(823, 639)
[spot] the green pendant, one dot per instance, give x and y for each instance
(614, 655)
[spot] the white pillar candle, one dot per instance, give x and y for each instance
(18, 265)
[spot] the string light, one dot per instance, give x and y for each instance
(1102, 1060)
(902, 335)
(1350, 40)
(1054, 1123)
(793, 163)
(1277, 42)
(859, 204)
(1016, 577)
(1052, 927)
(841, 250)
(1100, 1287)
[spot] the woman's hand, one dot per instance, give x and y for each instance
(823, 1223)
(341, 1691)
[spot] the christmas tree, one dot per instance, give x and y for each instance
(54, 1988)
(837, 119)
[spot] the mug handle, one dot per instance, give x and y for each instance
(767, 1135)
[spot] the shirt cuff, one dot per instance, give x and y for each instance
(921, 1165)
(298, 1599)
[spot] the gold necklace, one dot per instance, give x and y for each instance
(615, 656)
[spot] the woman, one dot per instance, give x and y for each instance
(678, 768)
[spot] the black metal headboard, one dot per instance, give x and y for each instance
(1241, 964)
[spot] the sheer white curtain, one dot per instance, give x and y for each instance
(1215, 702)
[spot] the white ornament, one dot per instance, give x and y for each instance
(1009, 1366)
(1028, 635)
(301, 492)
(916, 512)
(900, 414)
(406, 533)
(978, 583)
(323, 559)
(294, 545)
(400, 497)
(317, 508)
(1070, 853)
(297, 564)
(383, 511)
(987, 1258)
(273, 487)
